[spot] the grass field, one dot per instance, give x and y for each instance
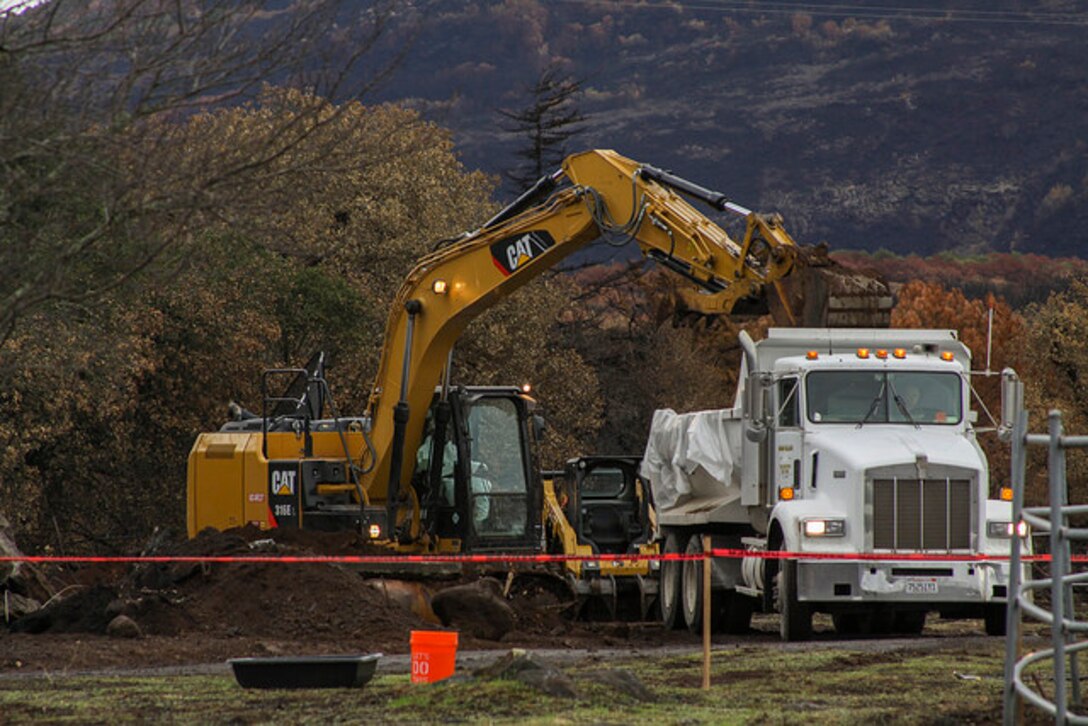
(750, 684)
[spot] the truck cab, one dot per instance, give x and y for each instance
(855, 452)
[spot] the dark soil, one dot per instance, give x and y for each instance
(203, 613)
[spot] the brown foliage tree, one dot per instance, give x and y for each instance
(1056, 378)
(926, 305)
(82, 84)
(304, 254)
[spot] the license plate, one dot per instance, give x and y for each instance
(921, 587)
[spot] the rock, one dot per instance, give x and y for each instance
(477, 609)
(522, 666)
(20, 577)
(81, 611)
(552, 682)
(14, 606)
(123, 626)
(623, 681)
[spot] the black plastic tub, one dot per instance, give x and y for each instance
(318, 671)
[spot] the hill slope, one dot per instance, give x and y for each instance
(914, 130)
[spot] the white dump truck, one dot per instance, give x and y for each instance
(853, 450)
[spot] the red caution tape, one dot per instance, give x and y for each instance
(501, 558)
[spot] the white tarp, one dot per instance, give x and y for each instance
(679, 445)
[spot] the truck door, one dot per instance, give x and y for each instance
(790, 468)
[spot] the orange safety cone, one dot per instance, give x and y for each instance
(434, 655)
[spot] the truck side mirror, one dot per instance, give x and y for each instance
(755, 396)
(1012, 403)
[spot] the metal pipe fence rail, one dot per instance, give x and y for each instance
(1052, 520)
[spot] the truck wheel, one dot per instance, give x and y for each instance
(795, 617)
(691, 586)
(881, 622)
(910, 622)
(735, 613)
(669, 591)
(850, 622)
(995, 620)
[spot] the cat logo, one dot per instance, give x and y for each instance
(511, 253)
(283, 483)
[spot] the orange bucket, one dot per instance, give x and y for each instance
(434, 654)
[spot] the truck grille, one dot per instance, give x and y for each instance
(921, 514)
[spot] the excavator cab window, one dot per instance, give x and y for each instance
(499, 486)
(438, 488)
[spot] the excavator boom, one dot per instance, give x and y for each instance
(417, 471)
(602, 193)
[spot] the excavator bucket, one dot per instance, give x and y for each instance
(822, 293)
(817, 293)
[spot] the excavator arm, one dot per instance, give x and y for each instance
(595, 193)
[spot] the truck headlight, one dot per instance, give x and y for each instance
(1004, 530)
(824, 527)
(592, 565)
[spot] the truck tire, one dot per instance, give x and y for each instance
(995, 620)
(849, 622)
(672, 616)
(795, 616)
(910, 622)
(691, 586)
(735, 613)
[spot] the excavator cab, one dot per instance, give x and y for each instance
(475, 471)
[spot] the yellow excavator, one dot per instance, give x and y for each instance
(433, 467)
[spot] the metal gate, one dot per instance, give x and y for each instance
(1066, 632)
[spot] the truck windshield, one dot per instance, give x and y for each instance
(914, 397)
(498, 470)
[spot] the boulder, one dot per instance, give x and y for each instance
(477, 609)
(623, 681)
(123, 626)
(524, 667)
(14, 606)
(20, 578)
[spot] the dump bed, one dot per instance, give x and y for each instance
(692, 462)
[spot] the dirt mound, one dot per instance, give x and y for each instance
(323, 604)
(317, 601)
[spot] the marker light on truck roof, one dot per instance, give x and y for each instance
(900, 353)
(863, 352)
(785, 493)
(881, 354)
(946, 355)
(812, 355)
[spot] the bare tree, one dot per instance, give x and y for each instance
(90, 94)
(545, 124)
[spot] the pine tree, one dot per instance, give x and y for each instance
(545, 124)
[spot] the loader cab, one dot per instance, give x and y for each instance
(607, 503)
(476, 471)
